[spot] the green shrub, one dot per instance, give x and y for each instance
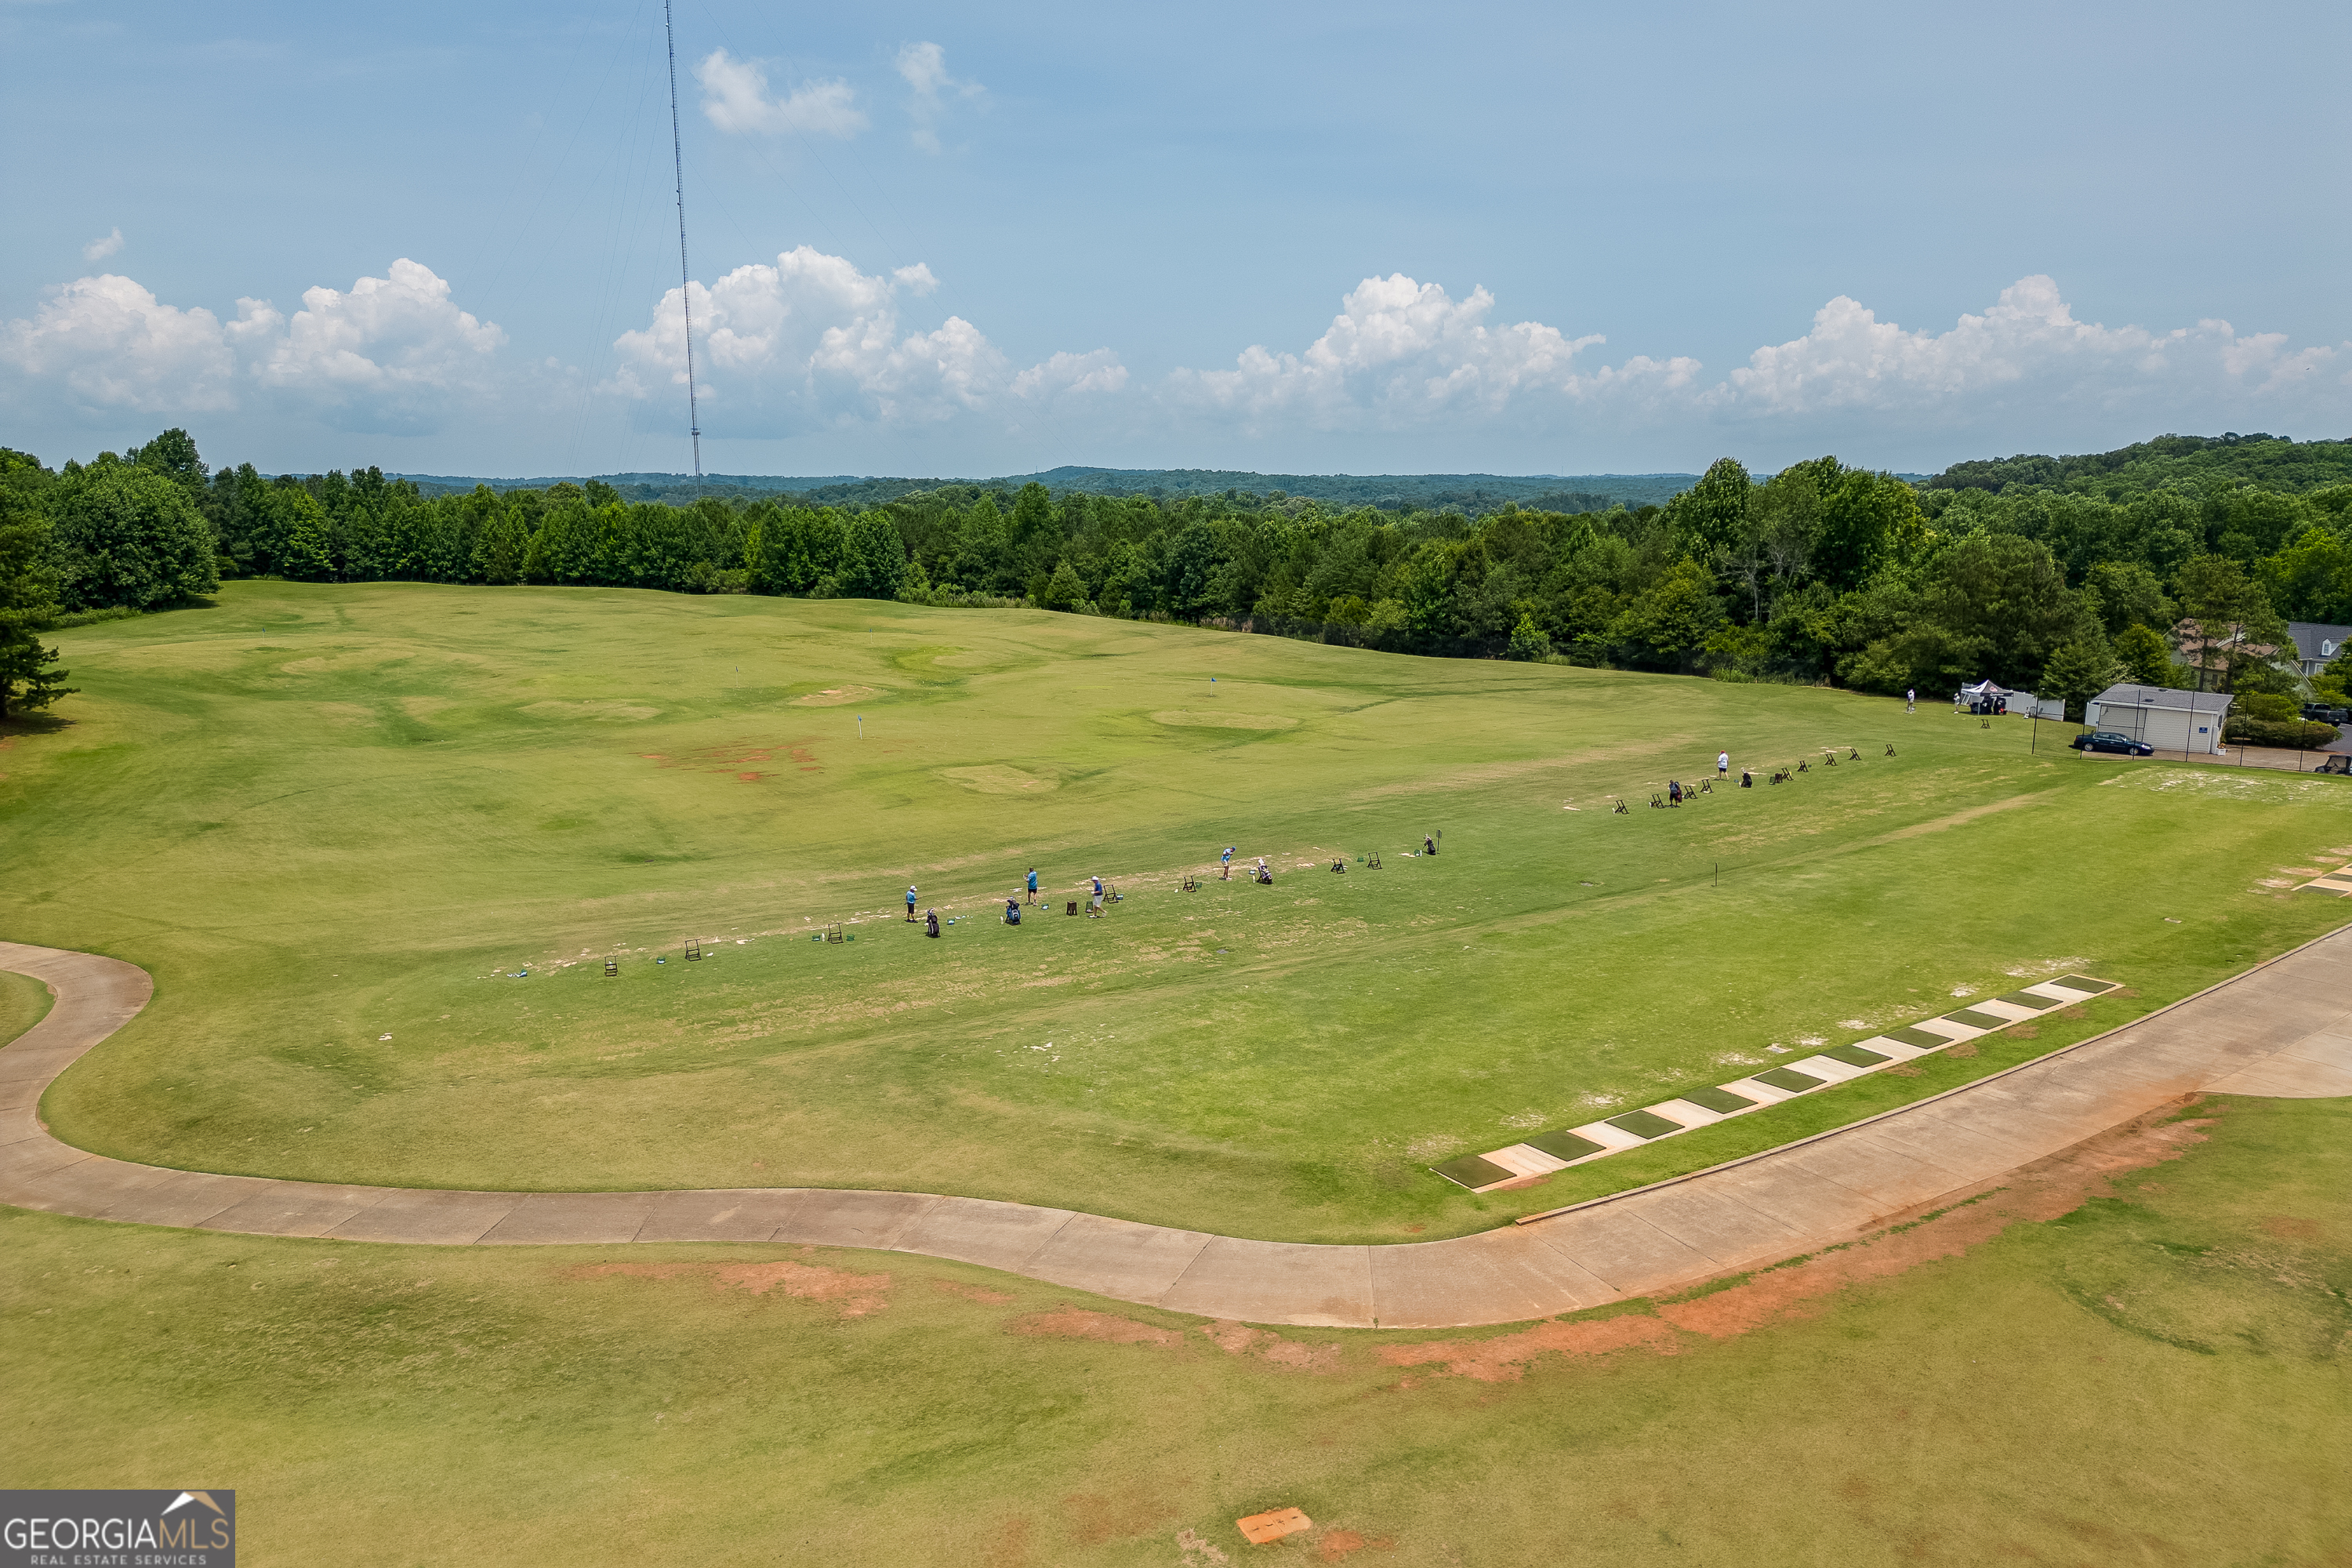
(2290, 734)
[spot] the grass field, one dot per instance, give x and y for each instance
(324, 815)
(2156, 1377)
(24, 1002)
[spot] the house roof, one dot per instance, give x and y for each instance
(2129, 696)
(2317, 640)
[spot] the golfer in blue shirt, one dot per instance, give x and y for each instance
(910, 903)
(1033, 884)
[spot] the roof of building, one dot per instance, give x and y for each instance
(2317, 640)
(2129, 696)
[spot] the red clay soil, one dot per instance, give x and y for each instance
(1505, 1357)
(2038, 1192)
(1240, 1338)
(1338, 1544)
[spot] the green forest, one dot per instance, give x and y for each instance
(2173, 562)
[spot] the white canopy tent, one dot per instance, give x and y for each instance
(1985, 695)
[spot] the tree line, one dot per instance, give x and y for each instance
(1822, 571)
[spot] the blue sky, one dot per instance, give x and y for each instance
(933, 240)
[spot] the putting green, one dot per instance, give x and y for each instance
(325, 815)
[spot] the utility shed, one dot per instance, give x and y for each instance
(2168, 721)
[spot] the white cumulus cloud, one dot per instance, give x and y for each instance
(1067, 373)
(387, 354)
(811, 342)
(392, 354)
(2028, 348)
(105, 342)
(1402, 355)
(924, 68)
(735, 99)
(100, 248)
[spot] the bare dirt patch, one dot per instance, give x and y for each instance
(2045, 1190)
(1338, 1544)
(1505, 1358)
(1076, 1324)
(2037, 1192)
(1240, 1338)
(1199, 1552)
(858, 1294)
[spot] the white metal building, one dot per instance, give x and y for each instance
(2168, 721)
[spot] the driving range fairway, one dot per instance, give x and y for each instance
(374, 842)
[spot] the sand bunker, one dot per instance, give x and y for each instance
(1189, 719)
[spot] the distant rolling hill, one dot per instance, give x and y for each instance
(1472, 493)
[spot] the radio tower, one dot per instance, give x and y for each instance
(684, 280)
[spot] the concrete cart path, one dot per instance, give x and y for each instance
(2275, 1030)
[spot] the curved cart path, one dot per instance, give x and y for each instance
(2278, 1030)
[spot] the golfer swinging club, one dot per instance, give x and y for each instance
(1227, 862)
